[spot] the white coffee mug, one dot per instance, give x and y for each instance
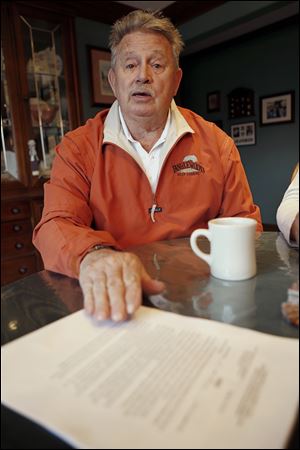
(232, 247)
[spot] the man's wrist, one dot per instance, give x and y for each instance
(99, 247)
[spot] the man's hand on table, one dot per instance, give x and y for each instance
(112, 283)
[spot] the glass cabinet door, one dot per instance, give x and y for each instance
(40, 95)
(45, 73)
(9, 161)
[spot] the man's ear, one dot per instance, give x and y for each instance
(178, 77)
(112, 80)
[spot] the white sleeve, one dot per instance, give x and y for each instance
(288, 209)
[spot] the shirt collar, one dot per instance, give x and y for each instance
(115, 132)
(128, 135)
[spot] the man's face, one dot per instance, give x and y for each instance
(145, 77)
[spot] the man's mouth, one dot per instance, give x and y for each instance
(141, 94)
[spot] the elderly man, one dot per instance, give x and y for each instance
(142, 171)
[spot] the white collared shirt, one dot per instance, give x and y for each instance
(116, 132)
(151, 160)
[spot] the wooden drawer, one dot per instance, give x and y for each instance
(15, 210)
(15, 228)
(17, 246)
(14, 269)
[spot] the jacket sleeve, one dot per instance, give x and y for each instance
(237, 198)
(64, 234)
(288, 209)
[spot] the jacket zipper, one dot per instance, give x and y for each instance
(154, 208)
(152, 212)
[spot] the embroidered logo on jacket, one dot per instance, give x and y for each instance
(189, 166)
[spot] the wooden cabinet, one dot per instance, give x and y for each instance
(18, 256)
(40, 102)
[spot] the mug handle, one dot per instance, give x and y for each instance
(193, 241)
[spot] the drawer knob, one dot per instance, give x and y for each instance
(17, 227)
(15, 210)
(19, 245)
(23, 269)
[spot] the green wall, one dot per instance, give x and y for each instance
(94, 34)
(268, 63)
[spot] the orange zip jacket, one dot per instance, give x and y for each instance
(99, 194)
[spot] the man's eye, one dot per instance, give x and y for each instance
(129, 66)
(157, 66)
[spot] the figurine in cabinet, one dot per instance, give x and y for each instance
(34, 160)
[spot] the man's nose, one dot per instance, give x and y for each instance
(144, 74)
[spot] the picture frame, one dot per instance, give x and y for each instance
(243, 133)
(99, 61)
(241, 103)
(213, 101)
(277, 108)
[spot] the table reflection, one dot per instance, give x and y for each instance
(46, 296)
(224, 301)
(192, 291)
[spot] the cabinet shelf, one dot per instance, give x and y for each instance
(47, 127)
(45, 74)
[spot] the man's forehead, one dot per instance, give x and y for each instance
(132, 53)
(134, 41)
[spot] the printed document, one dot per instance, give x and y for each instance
(159, 380)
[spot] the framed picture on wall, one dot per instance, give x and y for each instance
(213, 101)
(243, 133)
(101, 91)
(241, 103)
(277, 108)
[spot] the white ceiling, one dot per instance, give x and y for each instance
(147, 5)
